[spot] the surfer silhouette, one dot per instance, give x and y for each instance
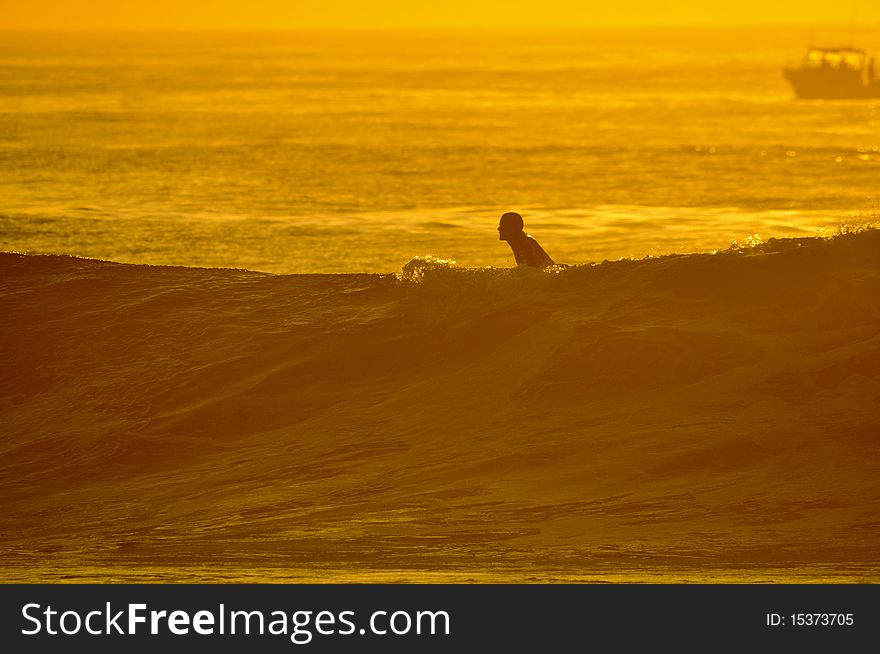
(526, 249)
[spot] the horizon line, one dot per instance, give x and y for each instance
(445, 28)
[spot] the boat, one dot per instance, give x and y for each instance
(834, 73)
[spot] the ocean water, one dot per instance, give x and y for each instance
(696, 418)
(353, 152)
(374, 414)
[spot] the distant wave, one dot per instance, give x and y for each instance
(718, 407)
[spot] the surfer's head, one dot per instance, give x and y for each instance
(510, 226)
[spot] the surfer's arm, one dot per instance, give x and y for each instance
(537, 255)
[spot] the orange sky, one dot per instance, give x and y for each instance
(183, 14)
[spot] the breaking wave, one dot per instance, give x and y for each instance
(719, 408)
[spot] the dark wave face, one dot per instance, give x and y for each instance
(693, 417)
